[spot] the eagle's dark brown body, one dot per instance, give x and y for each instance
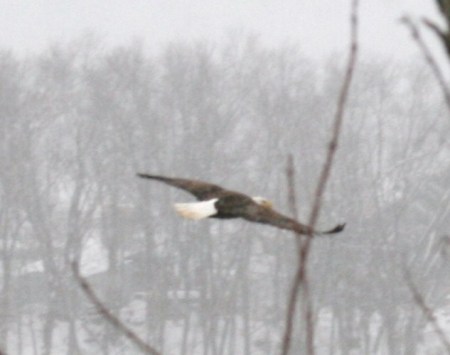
(232, 204)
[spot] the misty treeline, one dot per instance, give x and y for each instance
(78, 121)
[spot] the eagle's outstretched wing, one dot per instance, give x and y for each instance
(261, 214)
(201, 190)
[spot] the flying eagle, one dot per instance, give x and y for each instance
(217, 202)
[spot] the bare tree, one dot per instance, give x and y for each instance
(301, 279)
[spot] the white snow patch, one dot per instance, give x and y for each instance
(93, 257)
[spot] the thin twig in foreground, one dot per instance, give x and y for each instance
(427, 311)
(301, 243)
(415, 33)
(300, 279)
(292, 195)
(111, 318)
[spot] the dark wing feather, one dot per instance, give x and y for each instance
(201, 190)
(260, 214)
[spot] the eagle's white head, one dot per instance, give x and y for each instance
(262, 201)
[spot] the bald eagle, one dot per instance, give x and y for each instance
(217, 202)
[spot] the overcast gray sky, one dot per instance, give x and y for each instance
(317, 26)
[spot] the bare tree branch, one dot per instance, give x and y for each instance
(428, 57)
(111, 318)
(427, 311)
(300, 279)
(292, 198)
(292, 195)
(443, 35)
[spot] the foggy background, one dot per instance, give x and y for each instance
(82, 113)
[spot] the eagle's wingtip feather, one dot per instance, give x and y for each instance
(338, 228)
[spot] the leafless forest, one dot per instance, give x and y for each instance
(78, 122)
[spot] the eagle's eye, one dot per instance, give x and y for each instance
(263, 202)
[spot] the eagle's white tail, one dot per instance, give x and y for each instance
(196, 210)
